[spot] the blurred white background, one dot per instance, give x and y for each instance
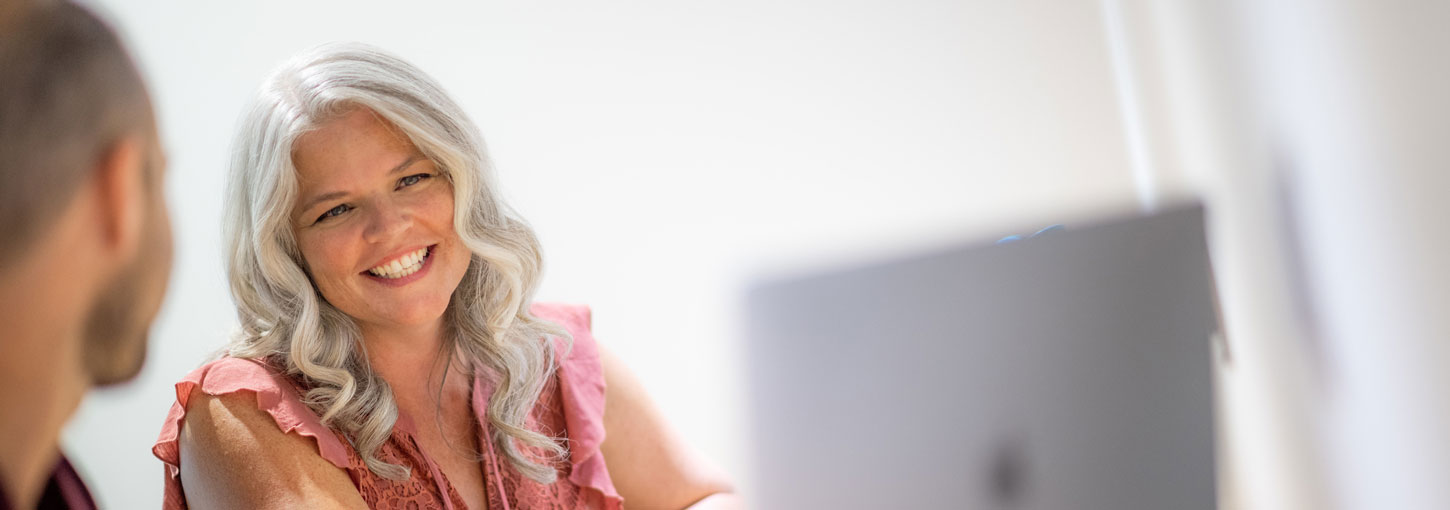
(668, 153)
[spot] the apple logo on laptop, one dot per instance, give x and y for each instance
(1007, 473)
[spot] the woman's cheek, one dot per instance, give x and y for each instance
(342, 250)
(324, 255)
(441, 199)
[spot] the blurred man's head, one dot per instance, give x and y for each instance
(82, 218)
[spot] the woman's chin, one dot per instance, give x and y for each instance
(404, 319)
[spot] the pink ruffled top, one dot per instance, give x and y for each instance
(571, 406)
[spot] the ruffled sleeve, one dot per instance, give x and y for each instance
(581, 380)
(275, 395)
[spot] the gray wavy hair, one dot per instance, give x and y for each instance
(286, 322)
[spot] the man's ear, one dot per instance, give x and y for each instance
(121, 193)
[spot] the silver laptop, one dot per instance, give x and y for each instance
(1065, 371)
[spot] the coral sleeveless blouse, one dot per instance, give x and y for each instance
(570, 407)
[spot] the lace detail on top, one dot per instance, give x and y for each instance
(570, 407)
(519, 491)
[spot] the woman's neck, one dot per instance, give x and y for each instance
(413, 362)
(404, 355)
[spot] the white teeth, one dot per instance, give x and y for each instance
(402, 266)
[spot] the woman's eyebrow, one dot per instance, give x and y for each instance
(322, 198)
(412, 158)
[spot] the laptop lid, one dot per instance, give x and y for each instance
(1065, 371)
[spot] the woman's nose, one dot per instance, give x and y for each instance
(387, 222)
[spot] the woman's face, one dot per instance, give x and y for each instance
(374, 221)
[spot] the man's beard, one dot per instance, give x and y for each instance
(114, 347)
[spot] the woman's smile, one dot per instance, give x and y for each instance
(397, 271)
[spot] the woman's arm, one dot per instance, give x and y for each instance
(652, 468)
(234, 456)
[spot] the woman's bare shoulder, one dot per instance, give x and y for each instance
(234, 455)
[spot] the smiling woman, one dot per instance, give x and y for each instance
(369, 260)
(373, 213)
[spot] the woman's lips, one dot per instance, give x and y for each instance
(396, 274)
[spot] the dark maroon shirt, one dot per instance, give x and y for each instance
(64, 490)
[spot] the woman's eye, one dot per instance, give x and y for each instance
(412, 179)
(335, 211)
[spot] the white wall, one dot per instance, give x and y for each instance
(1356, 100)
(667, 153)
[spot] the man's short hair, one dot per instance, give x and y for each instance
(68, 91)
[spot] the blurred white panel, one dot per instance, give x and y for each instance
(1316, 132)
(1359, 108)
